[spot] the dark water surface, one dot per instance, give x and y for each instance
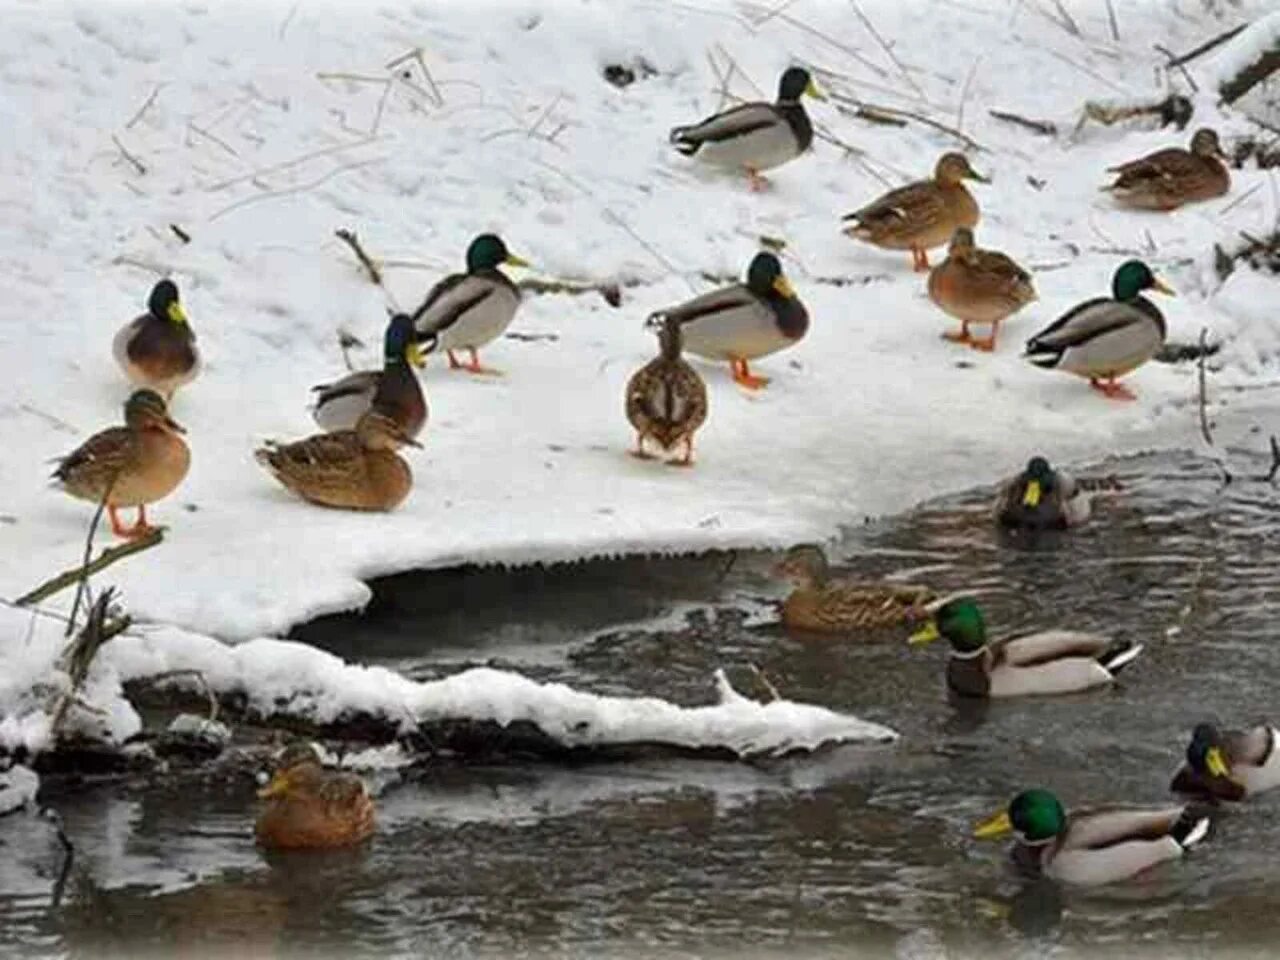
(857, 852)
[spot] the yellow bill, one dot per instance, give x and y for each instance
(514, 261)
(926, 634)
(783, 286)
(176, 313)
(993, 828)
(279, 785)
(1216, 763)
(812, 90)
(1158, 284)
(413, 353)
(1032, 496)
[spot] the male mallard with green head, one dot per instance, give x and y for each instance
(158, 349)
(744, 321)
(921, 215)
(1105, 338)
(978, 286)
(666, 399)
(1041, 498)
(1169, 178)
(394, 389)
(466, 311)
(1038, 664)
(1230, 764)
(754, 137)
(131, 466)
(1089, 848)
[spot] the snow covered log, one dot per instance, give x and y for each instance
(1248, 64)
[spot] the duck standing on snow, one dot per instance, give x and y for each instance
(1167, 179)
(1045, 663)
(978, 286)
(158, 349)
(666, 399)
(1105, 338)
(466, 311)
(1093, 847)
(394, 389)
(349, 470)
(744, 321)
(1230, 764)
(755, 136)
(822, 602)
(921, 215)
(1041, 498)
(131, 466)
(309, 807)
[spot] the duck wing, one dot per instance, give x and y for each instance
(1083, 323)
(725, 299)
(449, 300)
(1171, 162)
(103, 455)
(737, 122)
(916, 202)
(1046, 646)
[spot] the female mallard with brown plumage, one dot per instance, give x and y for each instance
(1230, 764)
(666, 399)
(350, 470)
(978, 286)
(744, 321)
(131, 466)
(921, 215)
(309, 807)
(158, 349)
(1095, 846)
(822, 602)
(394, 389)
(1169, 178)
(753, 137)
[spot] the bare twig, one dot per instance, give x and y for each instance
(144, 108)
(351, 240)
(871, 29)
(1172, 65)
(1207, 46)
(284, 24)
(105, 559)
(964, 92)
(1201, 378)
(300, 188)
(137, 164)
(193, 127)
(1275, 460)
(1037, 126)
(1067, 22)
(1111, 19)
(290, 164)
(765, 682)
(180, 233)
(909, 115)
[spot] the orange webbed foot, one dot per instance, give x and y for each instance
(1113, 390)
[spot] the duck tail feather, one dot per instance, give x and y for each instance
(1192, 826)
(1119, 655)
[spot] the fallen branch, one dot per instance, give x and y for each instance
(1043, 127)
(180, 233)
(351, 240)
(144, 108)
(104, 560)
(79, 656)
(884, 111)
(610, 292)
(137, 164)
(1207, 46)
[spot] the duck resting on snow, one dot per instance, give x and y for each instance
(1170, 178)
(744, 321)
(754, 137)
(1041, 498)
(921, 215)
(466, 311)
(158, 349)
(131, 466)
(1230, 764)
(1037, 664)
(1092, 847)
(666, 400)
(1107, 337)
(394, 389)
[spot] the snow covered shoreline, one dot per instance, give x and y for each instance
(254, 148)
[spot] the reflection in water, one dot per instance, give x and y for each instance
(857, 852)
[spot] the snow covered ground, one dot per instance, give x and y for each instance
(242, 134)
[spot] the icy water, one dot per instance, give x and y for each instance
(857, 852)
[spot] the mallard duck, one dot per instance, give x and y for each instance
(754, 136)
(1105, 338)
(351, 469)
(1230, 764)
(743, 322)
(1044, 663)
(1041, 498)
(132, 466)
(394, 389)
(311, 807)
(921, 215)
(1092, 847)
(158, 349)
(978, 286)
(468, 310)
(822, 602)
(666, 398)
(1169, 178)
